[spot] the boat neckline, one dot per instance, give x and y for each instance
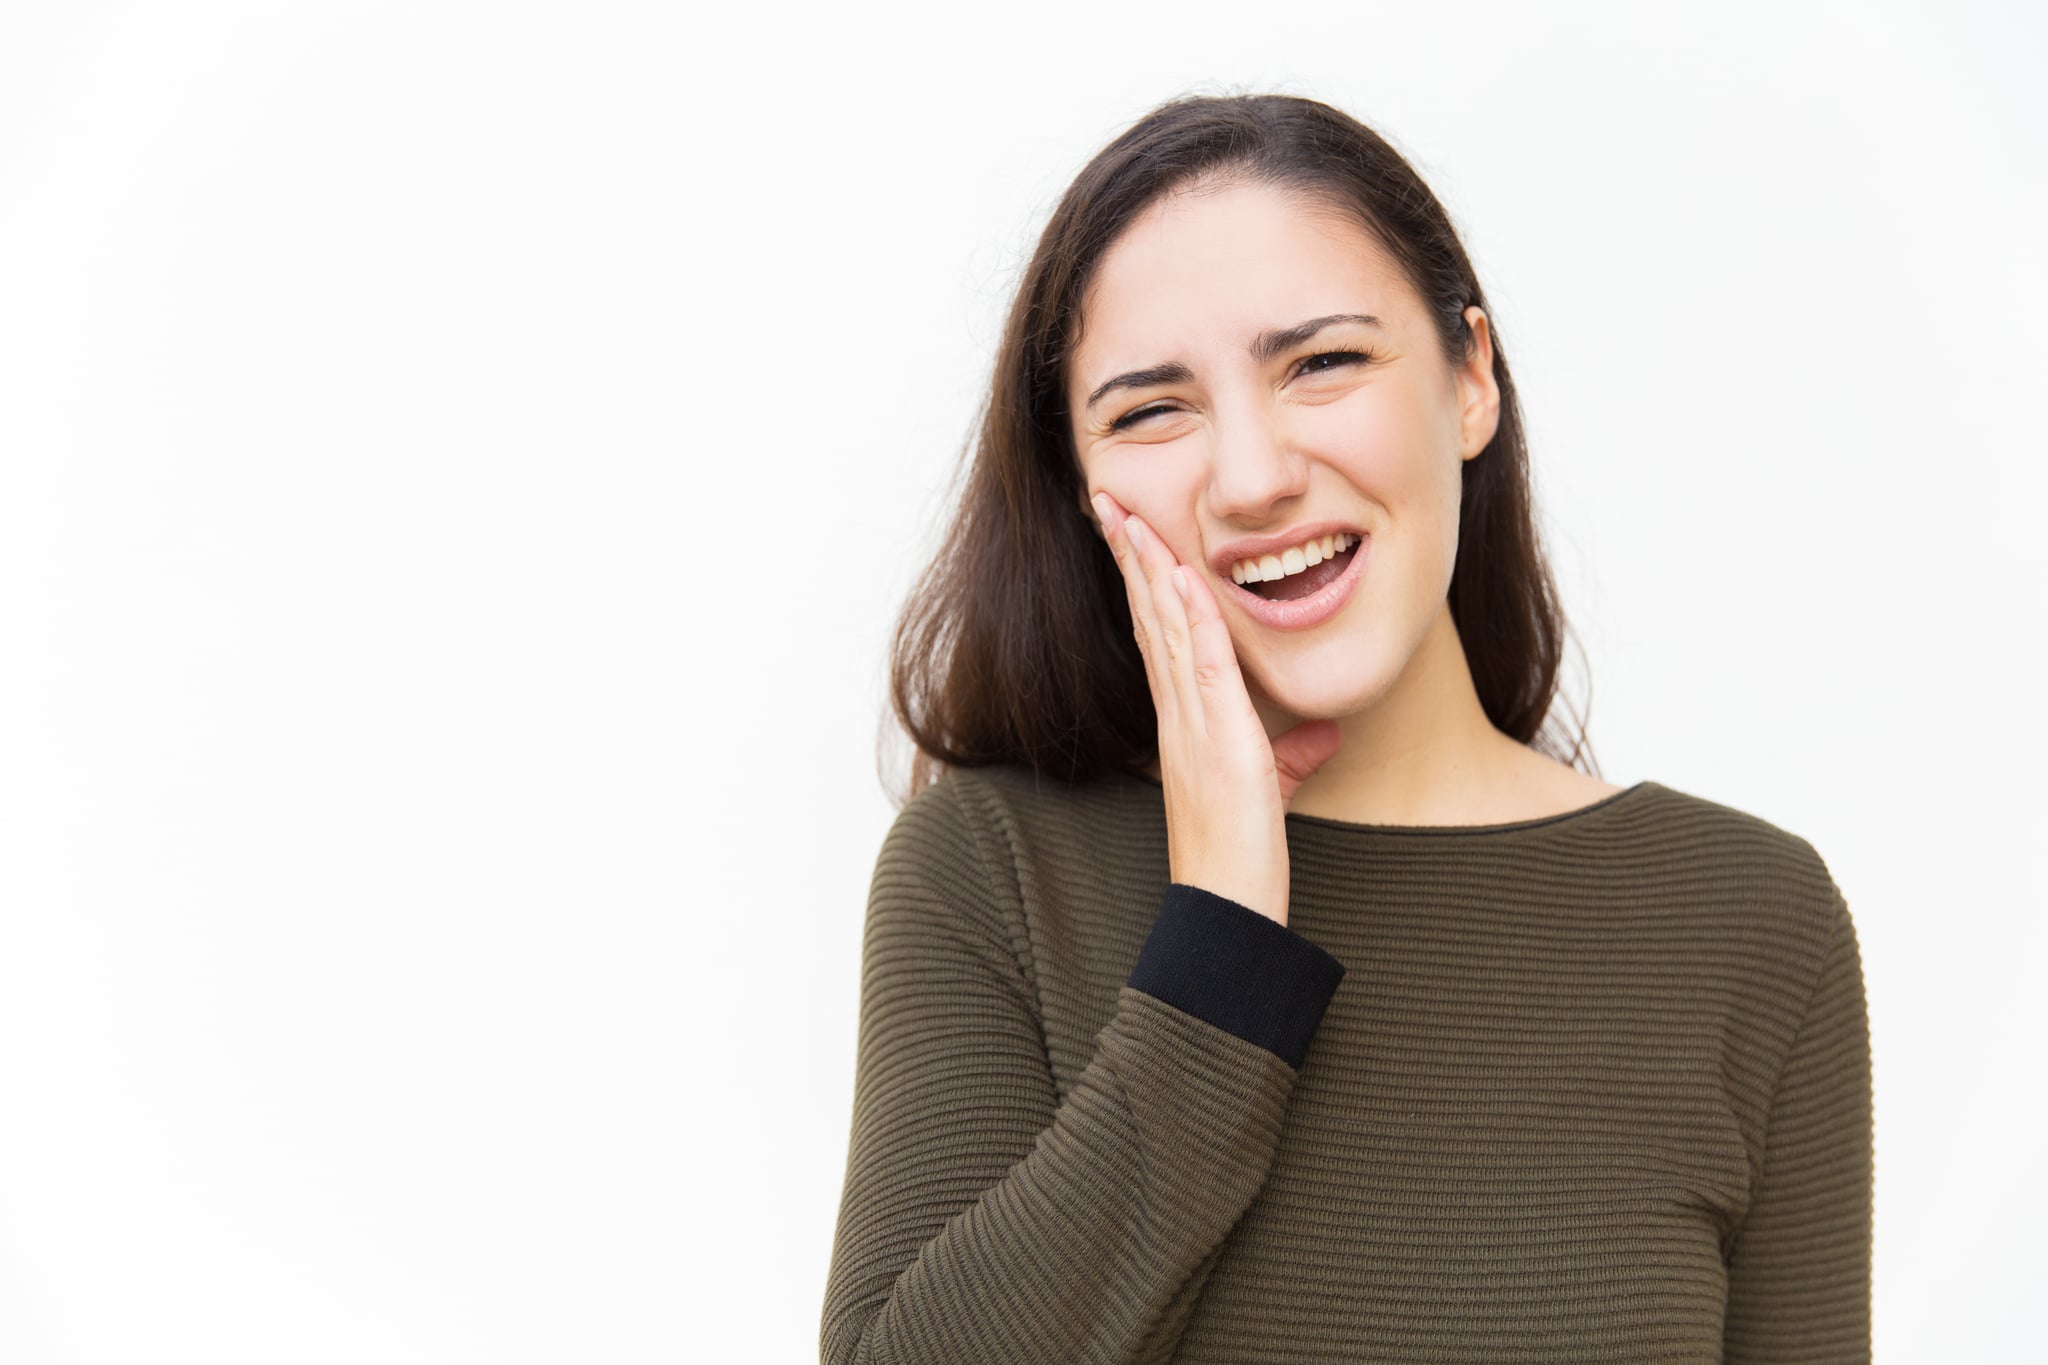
(1438, 831)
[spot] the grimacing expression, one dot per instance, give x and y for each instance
(1362, 422)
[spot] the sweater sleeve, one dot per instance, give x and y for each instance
(985, 1218)
(1799, 1269)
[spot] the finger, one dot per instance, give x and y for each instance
(1141, 579)
(1137, 592)
(1108, 513)
(1298, 752)
(1212, 655)
(1169, 613)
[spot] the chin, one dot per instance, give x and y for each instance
(1321, 693)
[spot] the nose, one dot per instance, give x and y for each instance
(1253, 467)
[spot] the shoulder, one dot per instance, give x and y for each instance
(1771, 946)
(1021, 819)
(1037, 851)
(1008, 820)
(1739, 843)
(1766, 887)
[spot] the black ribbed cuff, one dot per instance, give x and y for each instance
(1223, 962)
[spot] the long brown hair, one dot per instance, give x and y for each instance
(1016, 646)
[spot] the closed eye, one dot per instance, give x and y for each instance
(1138, 416)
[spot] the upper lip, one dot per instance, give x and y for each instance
(1255, 547)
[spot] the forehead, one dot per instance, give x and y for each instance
(1199, 270)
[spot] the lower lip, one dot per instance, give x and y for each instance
(1304, 612)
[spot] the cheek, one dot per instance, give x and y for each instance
(1369, 454)
(1162, 492)
(1392, 447)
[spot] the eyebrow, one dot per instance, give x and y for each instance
(1264, 347)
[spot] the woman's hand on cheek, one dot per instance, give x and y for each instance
(1227, 785)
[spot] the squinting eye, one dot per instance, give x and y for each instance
(1307, 366)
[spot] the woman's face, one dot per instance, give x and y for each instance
(1248, 428)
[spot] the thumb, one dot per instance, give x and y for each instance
(1300, 751)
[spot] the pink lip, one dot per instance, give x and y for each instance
(1304, 612)
(1257, 547)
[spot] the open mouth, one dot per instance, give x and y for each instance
(1308, 582)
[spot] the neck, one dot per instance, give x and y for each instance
(1424, 753)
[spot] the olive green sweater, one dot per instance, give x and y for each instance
(1587, 1088)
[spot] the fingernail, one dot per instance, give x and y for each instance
(1132, 526)
(1101, 506)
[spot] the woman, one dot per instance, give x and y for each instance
(1251, 985)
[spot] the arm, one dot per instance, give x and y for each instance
(984, 1219)
(1799, 1270)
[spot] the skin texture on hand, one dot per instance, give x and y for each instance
(1227, 783)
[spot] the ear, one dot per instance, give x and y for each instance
(1478, 393)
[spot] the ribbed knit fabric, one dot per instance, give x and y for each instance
(1588, 1088)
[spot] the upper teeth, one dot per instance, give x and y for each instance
(1292, 560)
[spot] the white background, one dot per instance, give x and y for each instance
(459, 464)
